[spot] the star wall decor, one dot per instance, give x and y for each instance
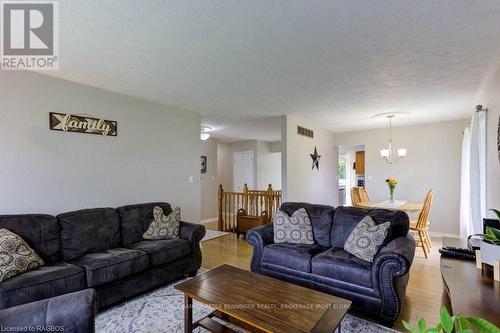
(315, 157)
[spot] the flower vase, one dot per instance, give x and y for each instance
(392, 182)
(391, 194)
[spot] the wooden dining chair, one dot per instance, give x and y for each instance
(354, 196)
(420, 227)
(363, 194)
(358, 194)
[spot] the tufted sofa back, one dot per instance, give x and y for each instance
(41, 232)
(135, 219)
(332, 226)
(346, 219)
(321, 219)
(88, 230)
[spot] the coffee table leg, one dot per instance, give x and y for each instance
(188, 314)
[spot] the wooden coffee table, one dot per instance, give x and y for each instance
(258, 303)
(468, 290)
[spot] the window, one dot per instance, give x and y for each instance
(342, 169)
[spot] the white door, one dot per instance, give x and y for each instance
(243, 170)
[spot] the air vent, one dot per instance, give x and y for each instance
(305, 132)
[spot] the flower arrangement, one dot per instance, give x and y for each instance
(391, 182)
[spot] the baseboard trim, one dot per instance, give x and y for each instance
(443, 234)
(212, 219)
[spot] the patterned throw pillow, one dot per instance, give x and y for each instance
(296, 229)
(16, 256)
(365, 240)
(164, 227)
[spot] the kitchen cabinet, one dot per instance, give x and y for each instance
(360, 162)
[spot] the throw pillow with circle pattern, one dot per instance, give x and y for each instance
(16, 256)
(164, 227)
(295, 229)
(365, 240)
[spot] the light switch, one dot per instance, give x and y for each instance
(191, 179)
(213, 178)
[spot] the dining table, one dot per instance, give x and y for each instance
(406, 206)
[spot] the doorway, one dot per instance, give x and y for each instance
(351, 171)
(243, 170)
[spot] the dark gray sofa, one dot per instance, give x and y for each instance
(74, 312)
(376, 289)
(100, 248)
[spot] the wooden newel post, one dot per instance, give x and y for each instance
(220, 195)
(269, 201)
(245, 197)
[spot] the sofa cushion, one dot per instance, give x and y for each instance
(295, 229)
(294, 256)
(347, 218)
(16, 256)
(89, 230)
(135, 220)
(163, 251)
(338, 264)
(45, 282)
(321, 218)
(164, 226)
(41, 232)
(110, 265)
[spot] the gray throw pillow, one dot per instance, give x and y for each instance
(365, 240)
(164, 227)
(296, 229)
(16, 256)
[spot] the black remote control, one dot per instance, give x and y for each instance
(458, 253)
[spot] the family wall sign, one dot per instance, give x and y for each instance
(80, 124)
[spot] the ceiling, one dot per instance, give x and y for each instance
(242, 64)
(236, 128)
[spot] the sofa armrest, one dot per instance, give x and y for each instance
(74, 312)
(390, 270)
(401, 249)
(192, 232)
(259, 237)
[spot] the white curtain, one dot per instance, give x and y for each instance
(465, 213)
(473, 177)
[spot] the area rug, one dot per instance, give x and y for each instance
(212, 234)
(162, 311)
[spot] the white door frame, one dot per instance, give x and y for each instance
(251, 181)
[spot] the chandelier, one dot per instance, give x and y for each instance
(388, 154)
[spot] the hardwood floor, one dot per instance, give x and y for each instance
(423, 295)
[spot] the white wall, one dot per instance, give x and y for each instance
(209, 182)
(433, 161)
(267, 167)
(44, 171)
(275, 146)
(299, 181)
(225, 160)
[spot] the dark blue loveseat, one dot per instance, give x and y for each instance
(376, 289)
